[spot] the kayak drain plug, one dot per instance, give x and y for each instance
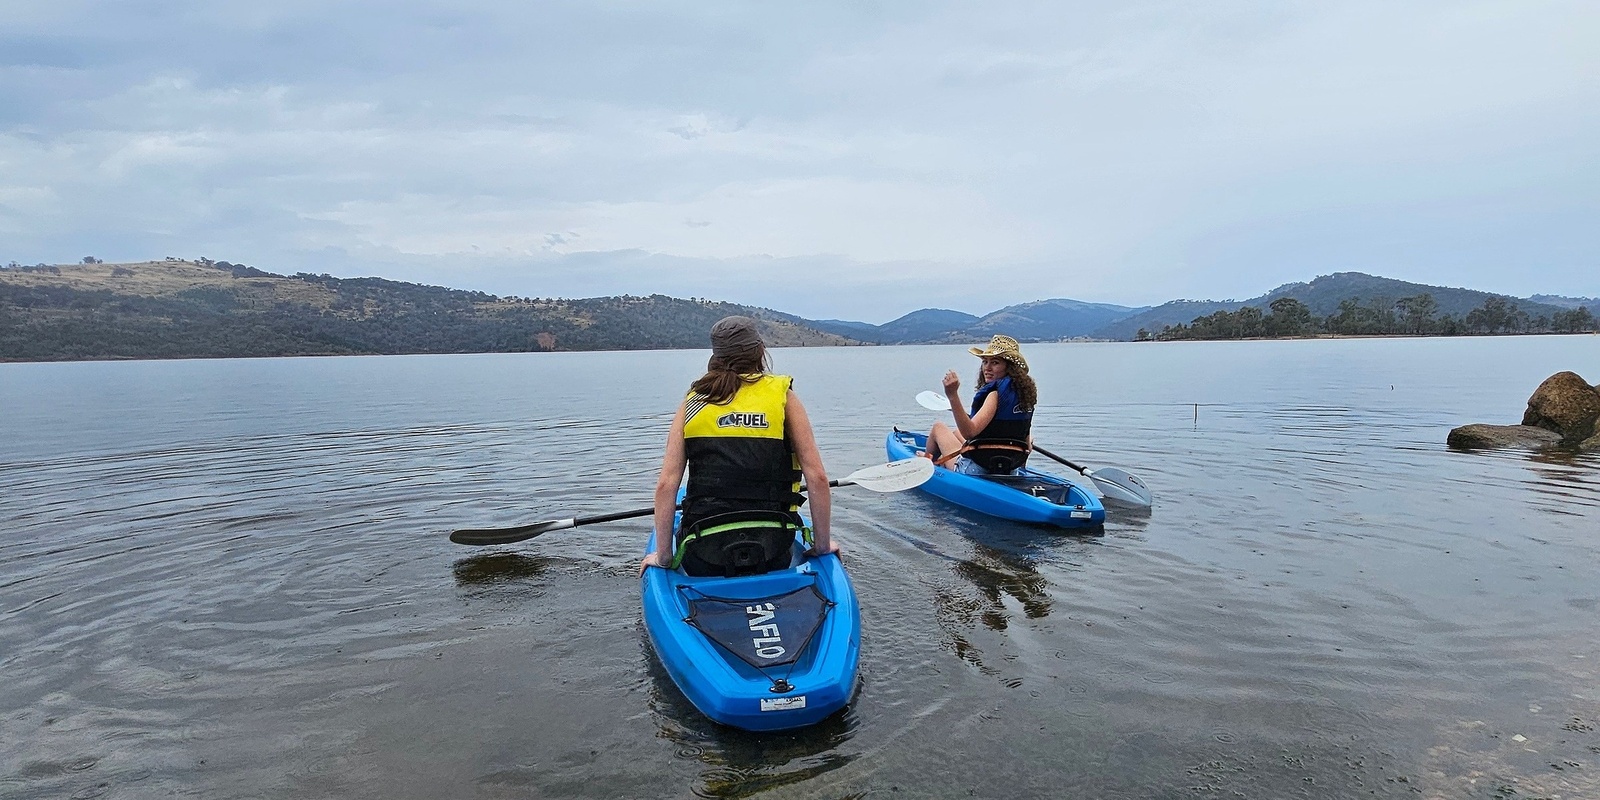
(780, 686)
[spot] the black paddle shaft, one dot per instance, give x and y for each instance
(638, 512)
(641, 512)
(1039, 449)
(520, 533)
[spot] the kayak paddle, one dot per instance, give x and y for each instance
(1114, 483)
(895, 476)
(932, 401)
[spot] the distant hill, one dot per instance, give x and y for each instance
(860, 331)
(927, 325)
(1041, 320)
(1591, 303)
(1176, 312)
(1049, 320)
(183, 309)
(1322, 297)
(199, 309)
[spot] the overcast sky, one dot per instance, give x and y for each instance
(849, 160)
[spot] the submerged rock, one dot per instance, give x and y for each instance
(1563, 412)
(1472, 437)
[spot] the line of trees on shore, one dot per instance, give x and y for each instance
(1416, 315)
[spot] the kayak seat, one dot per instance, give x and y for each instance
(1000, 456)
(737, 543)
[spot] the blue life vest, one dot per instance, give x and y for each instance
(1010, 421)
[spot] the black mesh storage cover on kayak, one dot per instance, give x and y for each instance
(1057, 493)
(766, 632)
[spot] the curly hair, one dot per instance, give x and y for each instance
(1027, 390)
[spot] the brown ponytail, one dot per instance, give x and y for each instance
(725, 374)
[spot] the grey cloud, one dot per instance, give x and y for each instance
(1139, 151)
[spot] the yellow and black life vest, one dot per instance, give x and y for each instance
(739, 458)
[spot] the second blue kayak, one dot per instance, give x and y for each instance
(762, 652)
(1026, 496)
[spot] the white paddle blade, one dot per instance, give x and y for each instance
(1121, 486)
(933, 401)
(895, 476)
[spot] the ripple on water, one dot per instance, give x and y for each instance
(1324, 601)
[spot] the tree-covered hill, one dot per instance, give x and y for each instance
(1324, 295)
(1355, 304)
(1350, 296)
(202, 309)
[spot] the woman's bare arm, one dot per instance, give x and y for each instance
(971, 426)
(797, 426)
(673, 463)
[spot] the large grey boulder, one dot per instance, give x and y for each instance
(1477, 435)
(1563, 411)
(1566, 404)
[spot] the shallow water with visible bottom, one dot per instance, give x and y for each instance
(232, 579)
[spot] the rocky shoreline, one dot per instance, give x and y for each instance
(1562, 413)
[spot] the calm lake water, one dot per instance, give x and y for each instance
(230, 579)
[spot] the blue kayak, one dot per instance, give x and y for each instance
(1027, 495)
(762, 652)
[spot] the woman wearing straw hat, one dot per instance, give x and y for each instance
(745, 441)
(995, 435)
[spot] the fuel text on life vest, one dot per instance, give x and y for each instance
(743, 419)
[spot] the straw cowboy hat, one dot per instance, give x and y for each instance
(1002, 347)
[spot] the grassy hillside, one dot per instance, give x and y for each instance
(184, 309)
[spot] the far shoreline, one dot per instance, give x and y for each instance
(1324, 336)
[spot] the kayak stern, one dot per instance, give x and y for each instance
(720, 683)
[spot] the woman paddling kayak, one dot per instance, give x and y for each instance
(750, 612)
(744, 438)
(995, 436)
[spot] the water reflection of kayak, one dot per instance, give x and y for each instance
(1028, 495)
(761, 652)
